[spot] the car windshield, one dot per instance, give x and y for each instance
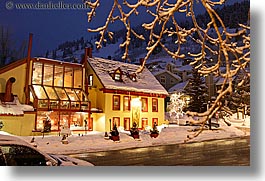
(20, 155)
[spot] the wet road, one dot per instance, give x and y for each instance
(226, 152)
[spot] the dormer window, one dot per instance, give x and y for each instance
(133, 77)
(117, 75)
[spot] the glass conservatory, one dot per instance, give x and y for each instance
(57, 92)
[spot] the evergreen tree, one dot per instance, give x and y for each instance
(76, 46)
(197, 90)
(241, 96)
(54, 55)
(47, 54)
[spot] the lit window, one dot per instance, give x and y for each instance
(154, 121)
(116, 102)
(117, 75)
(40, 92)
(51, 92)
(127, 124)
(144, 123)
(48, 74)
(116, 120)
(37, 73)
(144, 104)
(78, 77)
(68, 77)
(133, 77)
(155, 105)
(90, 80)
(126, 103)
(43, 116)
(58, 76)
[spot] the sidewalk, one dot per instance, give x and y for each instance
(94, 141)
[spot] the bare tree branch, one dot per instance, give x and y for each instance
(214, 40)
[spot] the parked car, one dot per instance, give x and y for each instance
(17, 152)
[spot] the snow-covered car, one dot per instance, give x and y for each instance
(17, 152)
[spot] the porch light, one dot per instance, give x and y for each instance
(136, 102)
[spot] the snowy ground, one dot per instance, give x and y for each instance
(170, 134)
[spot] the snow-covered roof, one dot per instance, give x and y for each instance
(172, 64)
(220, 80)
(146, 82)
(166, 71)
(165, 59)
(179, 87)
(14, 108)
(184, 68)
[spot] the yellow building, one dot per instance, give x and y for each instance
(43, 91)
(120, 96)
(76, 98)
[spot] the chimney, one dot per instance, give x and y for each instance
(29, 46)
(26, 88)
(8, 97)
(89, 53)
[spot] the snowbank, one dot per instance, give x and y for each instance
(94, 141)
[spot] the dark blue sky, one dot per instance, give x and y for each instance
(50, 27)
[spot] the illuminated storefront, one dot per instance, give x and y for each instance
(57, 92)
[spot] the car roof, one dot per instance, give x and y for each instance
(10, 139)
(7, 138)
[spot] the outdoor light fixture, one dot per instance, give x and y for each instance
(1, 125)
(136, 102)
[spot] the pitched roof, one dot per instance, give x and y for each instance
(146, 82)
(184, 68)
(168, 72)
(220, 80)
(179, 87)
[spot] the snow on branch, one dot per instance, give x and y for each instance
(227, 48)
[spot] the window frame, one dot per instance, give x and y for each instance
(90, 80)
(153, 121)
(119, 74)
(129, 103)
(90, 124)
(163, 79)
(118, 120)
(118, 108)
(146, 107)
(154, 105)
(145, 121)
(125, 119)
